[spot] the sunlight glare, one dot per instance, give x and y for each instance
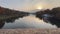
(39, 7)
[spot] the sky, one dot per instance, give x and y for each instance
(27, 5)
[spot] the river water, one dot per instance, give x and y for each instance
(30, 21)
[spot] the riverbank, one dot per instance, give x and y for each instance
(3, 17)
(29, 31)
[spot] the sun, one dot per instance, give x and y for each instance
(39, 7)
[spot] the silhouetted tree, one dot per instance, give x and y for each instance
(52, 16)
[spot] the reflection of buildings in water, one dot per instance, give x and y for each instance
(2, 24)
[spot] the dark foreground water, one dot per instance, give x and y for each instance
(26, 22)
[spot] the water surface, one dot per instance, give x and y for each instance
(26, 22)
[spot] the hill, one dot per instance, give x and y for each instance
(50, 16)
(6, 13)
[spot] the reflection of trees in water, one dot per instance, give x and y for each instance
(52, 19)
(2, 24)
(55, 12)
(10, 20)
(9, 15)
(55, 21)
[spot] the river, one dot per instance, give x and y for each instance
(30, 21)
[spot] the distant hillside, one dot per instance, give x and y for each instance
(54, 11)
(50, 16)
(7, 10)
(9, 13)
(2, 10)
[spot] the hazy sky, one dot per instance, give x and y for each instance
(29, 4)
